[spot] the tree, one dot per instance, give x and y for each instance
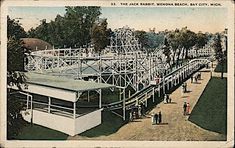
(150, 40)
(71, 30)
(219, 54)
(187, 39)
(172, 38)
(201, 40)
(167, 52)
(14, 29)
(154, 40)
(15, 75)
(42, 31)
(142, 37)
(100, 35)
(181, 40)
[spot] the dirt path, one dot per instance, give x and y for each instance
(175, 125)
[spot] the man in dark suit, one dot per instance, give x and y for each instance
(156, 118)
(160, 117)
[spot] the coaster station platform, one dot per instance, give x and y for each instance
(55, 103)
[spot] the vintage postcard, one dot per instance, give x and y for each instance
(117, 73)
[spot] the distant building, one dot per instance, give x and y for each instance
(34, 44)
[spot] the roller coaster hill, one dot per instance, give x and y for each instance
(123, 64)
(68, 76)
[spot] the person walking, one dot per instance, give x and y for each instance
(184, 108)
(131, 115)
(182, 89)
(153, 118)
(169, 98)
(185, 87)
(165, 99)
(139, 111)
(160, 117)
(199, 76)
(143, 109)
(156, 118)
(191, 79)
(188, 108)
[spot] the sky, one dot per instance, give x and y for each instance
(140, 18)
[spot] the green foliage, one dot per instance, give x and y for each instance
(15, 66)
(166, 51)
(15, 50)
(173, 38)
(71, 30)
(149, 40)
(154, 40)
(14, 119)
(219, 54)
(184, 39)
(202, 39)
(14, 30)
(100, 35)
(187, 38)
(218, 48)
(15, 53)
(142, 36)
(221, 66)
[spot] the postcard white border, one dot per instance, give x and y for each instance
(88, 143)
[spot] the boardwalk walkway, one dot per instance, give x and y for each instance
(175, 125)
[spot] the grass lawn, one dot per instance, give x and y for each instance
(210, 112)
(219, 69)
(37, 132)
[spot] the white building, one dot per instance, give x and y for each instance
(52, 112)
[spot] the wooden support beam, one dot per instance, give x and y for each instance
(31, 120)
(74, 110)
(120, 95)
(146, 102)
(164, 85)
(153, 94)
(159, 90)
(100, 95)
(168, 85)
(124, 106)
(27, 105)
(49, 104)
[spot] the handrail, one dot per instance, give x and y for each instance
(141, 94)
(41, 103)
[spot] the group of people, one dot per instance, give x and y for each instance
(157, 118)
(137, 112)
(167, 99)
(196, 77)
(186, 109)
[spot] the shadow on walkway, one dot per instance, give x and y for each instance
(111, 123)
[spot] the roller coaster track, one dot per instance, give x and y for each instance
(147, 92)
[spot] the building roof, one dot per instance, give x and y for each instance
(64, 83)
(35, 44)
